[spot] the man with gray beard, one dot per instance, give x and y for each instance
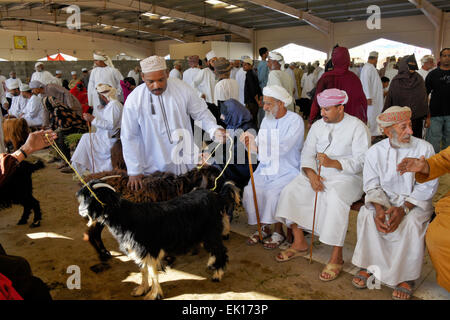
(278, 146)
(391, 226)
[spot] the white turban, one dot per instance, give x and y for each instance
(277, 57)
(107, 91)
(427, 58)
(36, 84)
(84, 69)
(393, 115)
(24, 87)
(153, 63)
(373, 54)
(278, 93)
(58, 72)
(100, 56)
(12, 84)
(211, 55)
(73, 73)
(38, 64)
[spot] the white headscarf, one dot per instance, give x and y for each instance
(103, 57)
(273, 55)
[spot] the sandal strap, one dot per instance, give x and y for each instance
(404, 290)
(330, 267)
(275, 238)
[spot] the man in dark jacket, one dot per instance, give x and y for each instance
(252, 90)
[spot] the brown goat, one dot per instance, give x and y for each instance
(15, 132)
(117, 159)
(159, 186)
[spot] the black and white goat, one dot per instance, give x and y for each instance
(146, 231)
(18, 189)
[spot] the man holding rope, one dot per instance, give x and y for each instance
(337, 143)
(156, 122)
(278, 145)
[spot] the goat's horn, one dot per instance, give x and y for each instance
(110, 177)
(99, 185)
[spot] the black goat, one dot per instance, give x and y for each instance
(19, 190)
(159, 186)
(146, 231)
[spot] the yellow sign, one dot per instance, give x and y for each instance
(20, 42)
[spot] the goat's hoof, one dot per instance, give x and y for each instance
(105, 255)
(226, 237)
(35, 224)
(139, 291)
(21, 222)
(152, 296)
(215, 280)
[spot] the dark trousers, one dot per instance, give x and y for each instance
(417, 127)
(305, 107)
(253, 108)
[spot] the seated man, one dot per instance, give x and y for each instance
(338, 142)
(93, 152)
(18, 102)
(278, 145)
(33, 112)
(438, 235)
(392, 224)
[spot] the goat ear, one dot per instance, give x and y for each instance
(99, 185)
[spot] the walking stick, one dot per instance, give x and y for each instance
(314, 222)
(253, 187)
(92, 147)
(330, 138)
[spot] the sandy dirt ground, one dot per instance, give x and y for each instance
(252, 272)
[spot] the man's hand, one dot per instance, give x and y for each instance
(220, 135)
(203, 157)
(203, 96)
(38, 140)
(315, 180)
(135, 183)
(327, 162)
(413, 165)
(6, 106)
(380, 219)
(88, 117)
(369, 102)
(249, 142)
(397, 215)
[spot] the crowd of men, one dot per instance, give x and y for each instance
(344, 156)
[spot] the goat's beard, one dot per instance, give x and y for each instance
(397, 144)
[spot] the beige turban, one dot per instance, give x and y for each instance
(107, 91)
(393, 115)
(153, 63)
(248, 60)
(278, 93)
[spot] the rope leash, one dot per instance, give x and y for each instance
(61, 154)
(226, 164)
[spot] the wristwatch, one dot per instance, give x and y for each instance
(405, 209)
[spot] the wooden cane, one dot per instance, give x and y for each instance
(92, 147)
(254, 189)
(314, 222)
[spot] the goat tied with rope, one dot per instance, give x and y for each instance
(159, 186)
(146, 231)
